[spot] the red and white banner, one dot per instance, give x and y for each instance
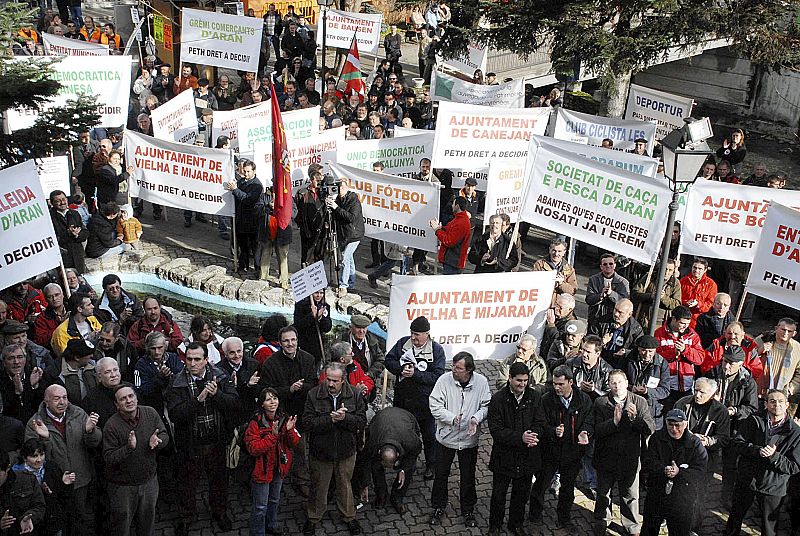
(776, 263)
(342, 25)
(482, 314)
(181, 176)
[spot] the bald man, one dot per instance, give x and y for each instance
(69, 434)
(100, 398)
(618, 330)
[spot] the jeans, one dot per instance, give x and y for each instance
(451, 270)
(223, 223)
(348, 277)
(116, 250)
(384, 269)
(266, 499)
(76, 16)
(467, 459)
(588, 474)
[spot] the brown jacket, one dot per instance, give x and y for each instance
(570, 283)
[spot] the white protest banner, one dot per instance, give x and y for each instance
(342, 25)
(318, 149)
(776, 262)
(449, 88)
(598, 204)
(308, 280)
(176, 119)
(593, 129)
(507, 179)
(470, 136)
(400, 156)
(28, 244)
(54, 174)
(61, 46)
(473, 58)
(211, 38)
(724, 221)
(481, 176)
(395, 209)
(298, 125)
(482, 314)
(181, 176)
(401, 132)
(106, 77)
(226, 123)
(643, 165)
(668, 111)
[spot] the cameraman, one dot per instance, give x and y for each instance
(309, 216)
(346, 213)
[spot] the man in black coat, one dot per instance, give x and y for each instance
(622, 422)
(243, 372)
(489, 251)
(648, 375)
(618, 330)
(246, 193)
(711, 324)
(394, 443)
(70, 232)
(516, 426)
(768, 443)
(346, 210)
(675, 464)
(567, 415)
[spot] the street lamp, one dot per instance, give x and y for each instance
(323, 9)
(685, 151)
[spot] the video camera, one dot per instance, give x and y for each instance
(329, 187)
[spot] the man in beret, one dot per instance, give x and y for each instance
(639, 147)
(17, 333)
(648, 375)
(368, 349)
(417, 361)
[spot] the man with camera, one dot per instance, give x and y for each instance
(346, 215)
(309, 213)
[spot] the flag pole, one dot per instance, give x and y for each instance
(345, 62)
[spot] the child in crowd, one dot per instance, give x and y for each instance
(77, 202)
(129, 229)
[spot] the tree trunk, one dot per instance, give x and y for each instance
(615, 95)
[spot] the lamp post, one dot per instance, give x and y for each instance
(323, 8)
(685, 152)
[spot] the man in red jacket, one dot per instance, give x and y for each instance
(154, 320)
(680, 346)
(454, 238)
(734, 336)
(698, 290)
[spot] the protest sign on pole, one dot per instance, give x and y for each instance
(507, 179)
(28, 244)
(176, 119)
(395, 209)
(470, 136)
(449, 88)
(668, 111)
(598, 204)
(724, 221)
(317, 149)
(643, 165)
(226, 123)
(306, 281)
(400, 156)
(106, 77)
(474, 58)
(181, 176)
(776, 263)
(342, 25)
(593, 129)
(298, 124)
(482, 314)
(54, 174)
(211, 38)
(61, 46)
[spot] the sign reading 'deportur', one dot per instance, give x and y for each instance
(668, 111)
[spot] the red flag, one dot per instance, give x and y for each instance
(351, 73)
(281, 171)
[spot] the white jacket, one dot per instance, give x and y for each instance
(448, 400)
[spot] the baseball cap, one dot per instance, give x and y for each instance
(675, 415)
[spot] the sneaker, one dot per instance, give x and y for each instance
(436, 517)
(342, 292)
(469, 520)
(354, 527)
(309, 528)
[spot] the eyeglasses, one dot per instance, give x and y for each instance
(608, 264)
(523, 348)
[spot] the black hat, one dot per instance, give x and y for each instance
(470, 181)
(733, 354)
(640, 140)
(420, 325)
(12, 327)
(647, 342)
(675, 415)
(78, 348)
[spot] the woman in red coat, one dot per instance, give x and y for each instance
(270, 438)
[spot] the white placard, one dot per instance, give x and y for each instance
(54, 174)
(308, 280)
(470, 136)
(176, 119)
(400, 156)
(28, 244)
(481, 176)
(226, 123)
(211, 38)
(482, 314)
(724, 221)
(592, 129)
(667, 110)
(643, 165)
(55, 45)
(598, 204)
(449, 88)
(342, 25)
(181, 176)
(474, 58)
(776, 263)
(298, 125)
(507, 179)
(395, 209)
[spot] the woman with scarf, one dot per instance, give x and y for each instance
(113, 182)
(566, 280)
(269, 438)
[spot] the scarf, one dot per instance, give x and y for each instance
(206, 423)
